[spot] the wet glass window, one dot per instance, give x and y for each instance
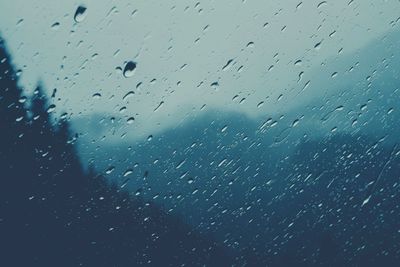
(200, 133)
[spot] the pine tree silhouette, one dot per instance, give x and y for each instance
(52, 213)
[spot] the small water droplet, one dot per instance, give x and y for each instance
(363, 107)
(124, 183)
(250, 45)
(127, 95)
(128, 172)
(19, 22)
(109, 169)
(130, 120)
(96, 96)
(298, 63)
(215, 85)
(55, 26)
(365, 202)
(51, 108)
(22, 99)
(317, 46)
(180, 164)
(323, 3)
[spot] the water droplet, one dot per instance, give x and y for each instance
(363, 107)
(299, 5)
(129, 69)
(180, 164)
(215, 85)
(259, 105)
(128, 172)
(298, 63)
(224, 128)
(334, 74)
(317, 46)
(124, 183)
(130, 120)
(149, 138)
(250, 44)
(80, 13)
(22, 99)
(109, 169)
(366, 201)
(228, 64)
(159, 106)
(127, 95)
(323, 3)
(96, 96)
(51, 108)
(55, 26)
(19, 22)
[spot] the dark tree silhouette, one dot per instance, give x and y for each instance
(52, 213)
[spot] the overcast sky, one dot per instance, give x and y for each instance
(181, 48)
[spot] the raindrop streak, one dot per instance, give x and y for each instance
(228, 64)
(80, 13)
(159, 106)
(129, 69)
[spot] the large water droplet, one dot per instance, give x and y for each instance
(129, 69)
(80, 13)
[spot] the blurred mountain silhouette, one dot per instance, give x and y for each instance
(53, 213)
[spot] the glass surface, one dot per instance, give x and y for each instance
(191, 133)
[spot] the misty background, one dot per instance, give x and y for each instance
(271, 126)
